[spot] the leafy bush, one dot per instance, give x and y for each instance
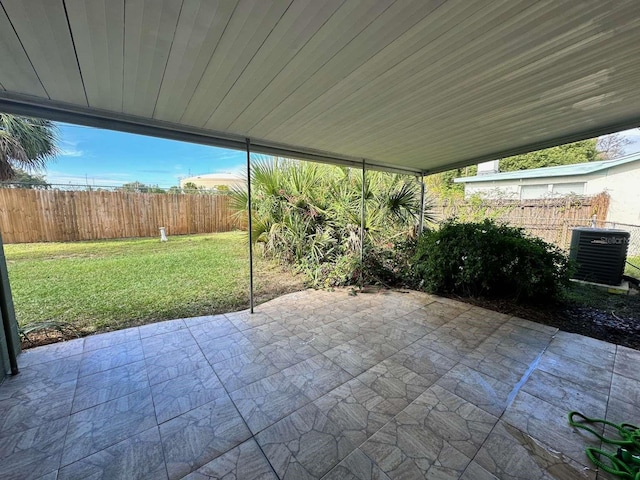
(308, 216)
(491, 260)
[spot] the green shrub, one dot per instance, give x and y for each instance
(489, 260)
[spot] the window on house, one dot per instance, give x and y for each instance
(528, 192)
(568, 189)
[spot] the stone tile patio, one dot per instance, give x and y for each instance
(390, 385)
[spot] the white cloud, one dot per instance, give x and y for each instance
(70, 152)
(69, 148)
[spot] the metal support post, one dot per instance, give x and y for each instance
(250, 225)
(362, 222)
(421, 220)
(7, 312)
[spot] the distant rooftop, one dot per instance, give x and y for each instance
(217, 176)
(559, 171)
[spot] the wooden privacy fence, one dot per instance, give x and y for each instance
(63, 216)
(550, 219)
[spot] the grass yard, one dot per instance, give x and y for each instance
(113, 284)
(632, 271)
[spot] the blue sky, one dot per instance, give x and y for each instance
(104, 157)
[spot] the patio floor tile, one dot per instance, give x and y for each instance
(395, 383)
(587, 350)
(510, 454)
(316, 376)
(104, 340)
(195, 438)
(101, 387)
(356, 466)
(165, 343)
(163, 367)
(184, 393)
(405, 449)
(244, 320)
(22, 411)
(627, 362)
(34, 452)
(355, 357)
(495, 365)
(244, 369)
(304, 445)
(217, 327)
(244, 461)
(482, 390)
(288, 352)
(137, 457)
(565, 394)
(379, 386)
(161, 327)
(548, 424)
(427, 363)
(453, 419)
(577, 371)
(224, 348)
(267, 334)
(99, 360)
(326, 337)
(266, 401)
(99, 427)
(54, 352)
(357, 410)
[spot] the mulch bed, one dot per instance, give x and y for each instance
(617, 320)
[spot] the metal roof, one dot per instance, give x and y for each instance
(559, 171)
(419, 85)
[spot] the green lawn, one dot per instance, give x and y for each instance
(111, 284)
(631, 271)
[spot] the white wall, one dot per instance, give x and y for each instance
(492, 189)
(622, 183)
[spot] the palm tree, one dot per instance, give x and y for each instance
(25, 143)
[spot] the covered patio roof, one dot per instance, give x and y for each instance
(414, 85)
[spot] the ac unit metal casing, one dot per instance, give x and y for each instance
(600, 254)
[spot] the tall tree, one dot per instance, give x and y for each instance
(23, 179)
(26, 143)
(612, 146)
(577, 152)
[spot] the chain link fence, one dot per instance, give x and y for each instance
(559, 231)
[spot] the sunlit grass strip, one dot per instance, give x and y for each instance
(113, 284)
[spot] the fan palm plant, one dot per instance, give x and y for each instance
(26, 143)
(309, 214)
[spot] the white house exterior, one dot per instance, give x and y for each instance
(213, 180)
(620, 178)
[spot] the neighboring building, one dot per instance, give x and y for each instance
(620, 178)
(213, 180)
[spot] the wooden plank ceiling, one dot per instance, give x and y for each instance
(421, 85)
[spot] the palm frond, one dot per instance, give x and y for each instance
(27, 142)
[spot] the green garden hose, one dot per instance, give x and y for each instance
(625, 463)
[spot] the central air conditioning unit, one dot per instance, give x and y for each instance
(600, 254)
